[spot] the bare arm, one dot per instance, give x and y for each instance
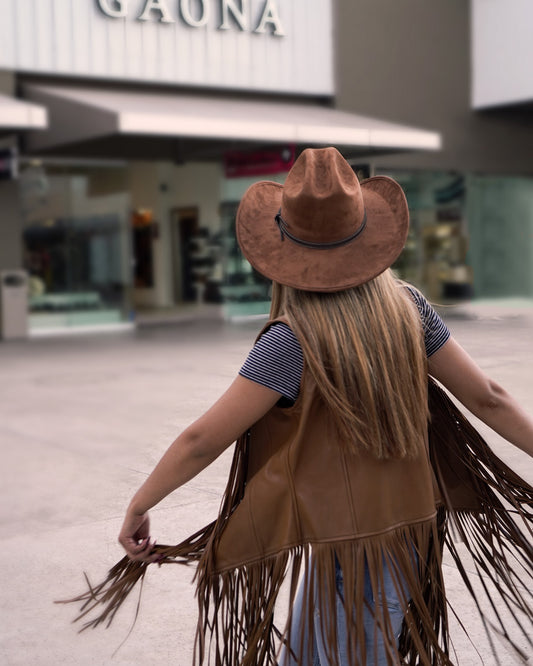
(244, 403)
(458, 372)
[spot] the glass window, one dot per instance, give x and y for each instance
(76, 241)
(435, 255)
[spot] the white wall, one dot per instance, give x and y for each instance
(199, 185)
(502, 52)
(117, 39)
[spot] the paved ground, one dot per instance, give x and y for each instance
(82, 422)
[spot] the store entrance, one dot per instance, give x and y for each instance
(184, 228)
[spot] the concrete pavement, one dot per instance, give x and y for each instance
(82, 422)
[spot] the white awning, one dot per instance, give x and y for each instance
(16, 114)
(80, 114)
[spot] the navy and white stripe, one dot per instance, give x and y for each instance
(436, 333)
(276, 360)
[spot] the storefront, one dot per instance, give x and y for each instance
(470, 235)
(76, 246)
(155, 116)
(436, 256)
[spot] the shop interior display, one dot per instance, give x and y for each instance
(241, 284)
(435, 255)
(203, 252)
(72, 263)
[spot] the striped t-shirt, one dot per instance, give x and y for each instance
(276, 360)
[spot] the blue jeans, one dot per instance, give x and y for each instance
(315, 649)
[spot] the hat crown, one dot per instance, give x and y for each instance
(322, 200)
(322, 230)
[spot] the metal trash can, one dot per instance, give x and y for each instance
(13, 304)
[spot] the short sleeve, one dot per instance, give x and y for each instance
(436, 333)
(276, 361)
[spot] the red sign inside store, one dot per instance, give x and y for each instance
(260, 162)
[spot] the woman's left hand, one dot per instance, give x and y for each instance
(135, 537)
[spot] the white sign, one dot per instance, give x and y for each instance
(232, 13)
(281, 46)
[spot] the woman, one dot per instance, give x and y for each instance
(331, 489)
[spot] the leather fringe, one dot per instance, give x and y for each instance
(485, 503)
(490, 510)
(237, 624)
(109, 595)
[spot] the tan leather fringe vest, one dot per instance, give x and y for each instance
(296, 504)
(301, 502)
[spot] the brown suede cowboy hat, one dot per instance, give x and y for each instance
(322, 230)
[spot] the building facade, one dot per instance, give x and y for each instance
(138, 126)
(464, 69)
(129, 130)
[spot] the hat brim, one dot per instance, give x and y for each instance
(332, 269)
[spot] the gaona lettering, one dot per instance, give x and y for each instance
(245, 15)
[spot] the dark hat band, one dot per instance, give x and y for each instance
(284, 231)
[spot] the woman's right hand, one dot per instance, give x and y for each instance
(134, 537)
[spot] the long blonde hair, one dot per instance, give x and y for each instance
(364, 349)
